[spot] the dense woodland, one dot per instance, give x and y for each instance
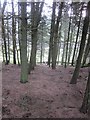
(56, 34)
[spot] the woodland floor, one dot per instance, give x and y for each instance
(47, 94)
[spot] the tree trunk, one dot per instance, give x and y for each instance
(33, 51)
(24, 65)
(70, 46)
(77, 36)
(86, 100)
(3, 31)
(59, 42)
(3, 53)
(87, 50)
(67, 42)
(13, 34)
(8, 41)
(51, 33)
(19, 34)
(64, 44)
(41, 46)
(54, 48)
(35, 20)
(83, 39)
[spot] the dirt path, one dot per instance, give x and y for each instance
(47, 93)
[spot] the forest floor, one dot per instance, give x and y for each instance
(47, 94)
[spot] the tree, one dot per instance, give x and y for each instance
(8, 40)
(87, 49)
(42, 26)
(51, 33)
(70, 46)
(68, 41)
(85, 108)
(36, 10)
(13, 34)
(24, 65)
(77, 35)
(3, 31)
(83, 39)
(64, 43)
(55, 40)
(19, 34)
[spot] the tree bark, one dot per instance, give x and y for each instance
(8, 41)
(35, 20)
(87, 50)
(86, 100)
(54, 48)
(13, 34)
(82, 45)
(77, 36)
(51, 33)
(67, 41)
(24, 65)
(3, 31)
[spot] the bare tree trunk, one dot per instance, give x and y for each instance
(41, 46)
(8, 41)
(82, 45)
(86, 100)
(64, 44)
(13, 34)
(70, 46)
(35, 20)
(51, 33)
(67, 42)
(3, 31)
(77, 36)
(59, 42)
(54, 48)
(87, 50)
(19, 34)
(3, 53)
(24, 65)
